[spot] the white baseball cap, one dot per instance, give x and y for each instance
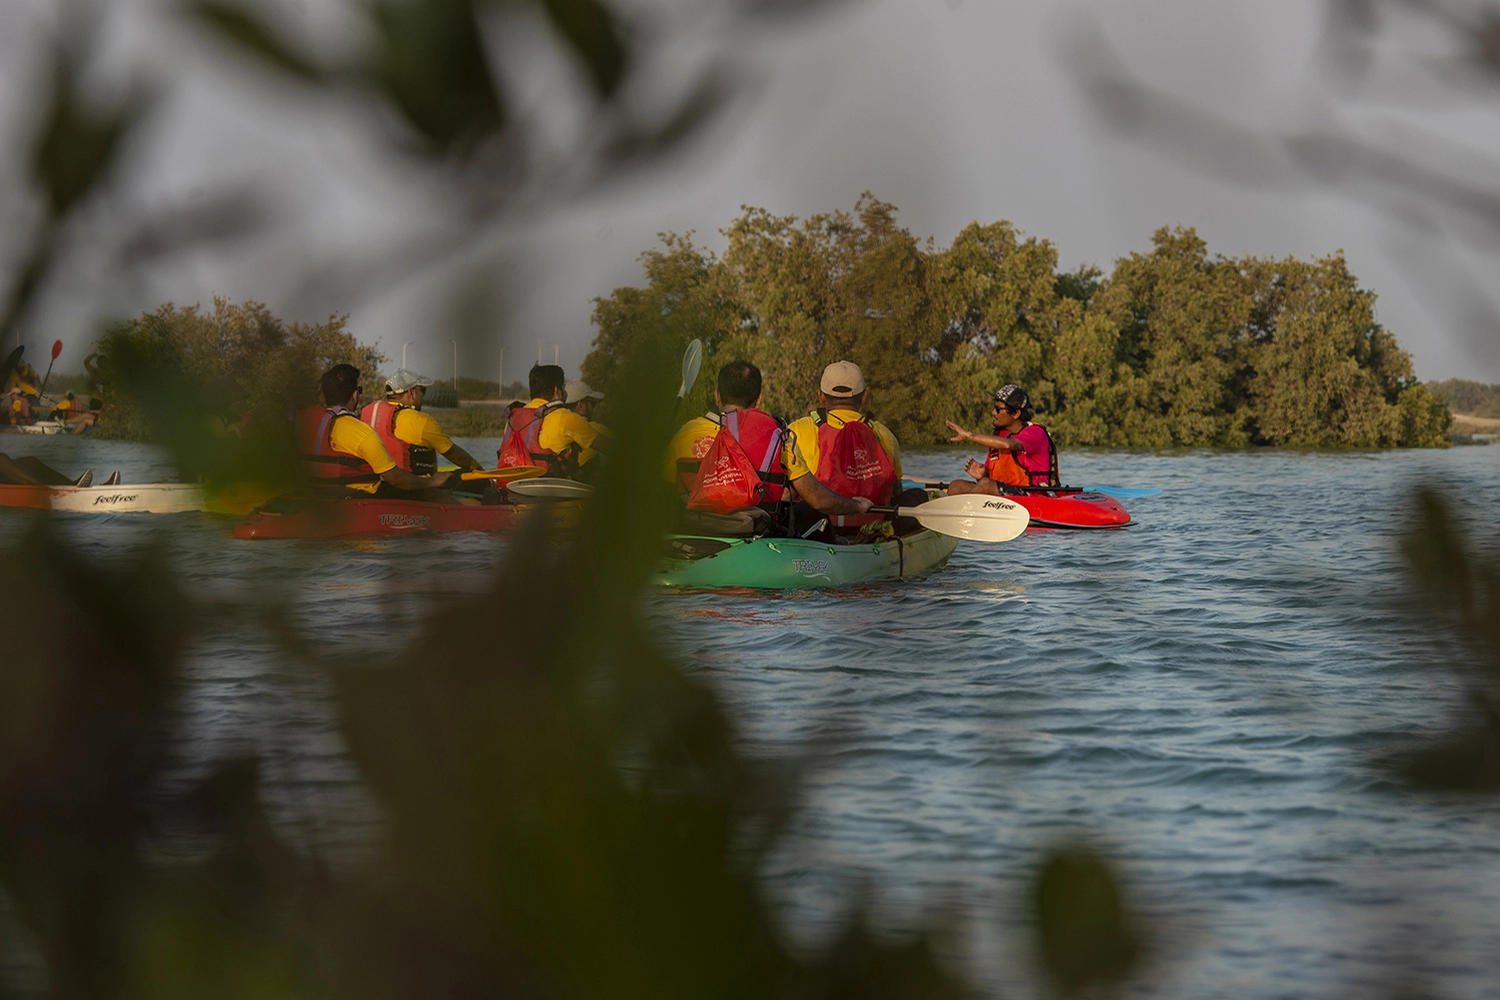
(576, 392)
(842, 378)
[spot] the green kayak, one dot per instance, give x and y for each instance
(705, 561)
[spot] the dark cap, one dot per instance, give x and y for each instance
(1013, 396)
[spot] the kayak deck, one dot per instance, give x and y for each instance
(344, 517)
(702, 561)
(142, 498)
(1071, 508)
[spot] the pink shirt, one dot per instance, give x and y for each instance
(1035, 456)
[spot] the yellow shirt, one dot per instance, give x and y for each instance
(690, 444)
(562, 427)
(357, 438)
(800, 455)
(416, 427)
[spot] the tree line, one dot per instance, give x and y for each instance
(1174, 347)
(1474, 398)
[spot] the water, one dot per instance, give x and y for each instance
(1201, 695)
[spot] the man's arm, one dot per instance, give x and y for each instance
(824, 500)
(461, 458)
(403, 480)
(988, 440)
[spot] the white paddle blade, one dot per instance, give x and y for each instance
(691, 362)
(976, 516)
(557, 489)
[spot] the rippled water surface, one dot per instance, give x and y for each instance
(1201, 694)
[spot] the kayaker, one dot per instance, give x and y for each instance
(1022, 453)
(412, 438)
(840, 462)
(28, 470)
(583, 401)
(545, 432)
(739, 440)
(341, 450)
(19, 411)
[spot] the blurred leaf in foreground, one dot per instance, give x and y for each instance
(1461, 590)
(566, 813)
(1086, 937)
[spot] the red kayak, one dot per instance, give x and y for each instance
(1070, 507)
(309, 518)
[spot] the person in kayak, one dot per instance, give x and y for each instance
(583, 401)
(338, 449)
(1021, 452)
(18, 411)
(545, 432)
(740, 442)
(839, 462)
(412, 438)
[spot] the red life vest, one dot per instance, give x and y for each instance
(522, 442)
(319, 460)
(418, 459)
(1002, 465)
(853, 463)
(728, 478)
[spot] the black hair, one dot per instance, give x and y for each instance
(545, 380)
(339, 383)
(739, 384)
(853, 402)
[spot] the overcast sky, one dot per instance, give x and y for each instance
(954, 111)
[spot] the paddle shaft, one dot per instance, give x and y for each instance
(512, 473)
(1119, 492)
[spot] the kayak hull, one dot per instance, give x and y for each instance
(1076, 509)
(797, 563)
(143, 498)
(345, 517)
(43, 427)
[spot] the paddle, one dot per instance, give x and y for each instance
(509, 473)
(1118, 492)
(11, 362)
(56, 350)
(692, 360)
(1124, 492)
(553, 489)
(975, 516)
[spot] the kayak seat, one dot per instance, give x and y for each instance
(747, 522)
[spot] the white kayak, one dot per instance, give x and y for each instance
(146, 498)
(43, 427)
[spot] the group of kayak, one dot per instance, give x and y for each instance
(765, 503)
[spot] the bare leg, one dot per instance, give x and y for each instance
(30, 471)
(961, 486)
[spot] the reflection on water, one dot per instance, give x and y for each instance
(1201, 691)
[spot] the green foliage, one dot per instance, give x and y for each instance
(1173, 348)
(232, 360)
(1473, 398)
(470, 421)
